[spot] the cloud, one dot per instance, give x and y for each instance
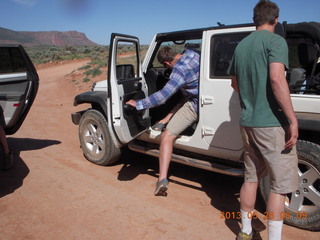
(77, 5)
(26, 2)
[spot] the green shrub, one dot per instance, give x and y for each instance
(85, 67)
(94, 72)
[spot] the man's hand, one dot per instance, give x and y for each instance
(293, 134)
(132, 103)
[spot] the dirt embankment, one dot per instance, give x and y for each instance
(54, 193)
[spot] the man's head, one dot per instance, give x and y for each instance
(167, 56)
(265, 12)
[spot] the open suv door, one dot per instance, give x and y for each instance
(19, 83)
(110, 123)
(126, 82)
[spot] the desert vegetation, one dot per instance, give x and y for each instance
(44, 54)
(97, 55)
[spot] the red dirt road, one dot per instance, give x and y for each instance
(54, 193)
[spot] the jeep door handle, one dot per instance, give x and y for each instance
(128, 109)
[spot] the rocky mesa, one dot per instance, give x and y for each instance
(44, 38)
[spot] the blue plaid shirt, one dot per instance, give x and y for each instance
(184, 76)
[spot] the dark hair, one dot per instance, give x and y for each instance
(166, 54)
(265, 12)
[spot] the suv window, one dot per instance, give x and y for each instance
(127, 60)
(179, 47)
(11, 60)
(221, 52)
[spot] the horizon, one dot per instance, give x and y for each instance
(97, 20)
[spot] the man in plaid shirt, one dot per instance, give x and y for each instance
(185, 77)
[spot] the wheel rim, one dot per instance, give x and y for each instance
(94, 138)
(307, 197)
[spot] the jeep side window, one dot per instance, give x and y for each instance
(11, 60)
(221, 52)
(303, 66)
(179, 47)
(127, 60)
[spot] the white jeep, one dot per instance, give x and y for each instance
(214, 142)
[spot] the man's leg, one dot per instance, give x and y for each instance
(167, 118)
(166, 147)
(8, 158)
(183, 118)
(248, 195)
(275, 209)
(248, 192)
(3, 140)
(283, 176)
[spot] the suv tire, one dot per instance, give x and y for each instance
(95, 139)
(303, 212)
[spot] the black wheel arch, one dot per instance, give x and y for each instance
(97, 99)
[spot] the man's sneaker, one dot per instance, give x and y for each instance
(161, 187)
(244, 236)
(8, 161)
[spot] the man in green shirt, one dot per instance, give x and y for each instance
(268, 123)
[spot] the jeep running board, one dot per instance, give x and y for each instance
(214, 167)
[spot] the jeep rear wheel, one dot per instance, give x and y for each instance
(95, 139)
(302, 207)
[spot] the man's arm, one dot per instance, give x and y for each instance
(281, 92)
(234, 84)
(175, 82)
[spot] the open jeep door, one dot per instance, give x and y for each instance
(19, 83)
(126, 82)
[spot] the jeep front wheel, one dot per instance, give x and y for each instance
(95, 139)
(302, 207)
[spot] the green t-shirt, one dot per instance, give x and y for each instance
(250, 64)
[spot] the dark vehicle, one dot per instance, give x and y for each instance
(19, 83)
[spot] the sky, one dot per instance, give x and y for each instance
(140, 18)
